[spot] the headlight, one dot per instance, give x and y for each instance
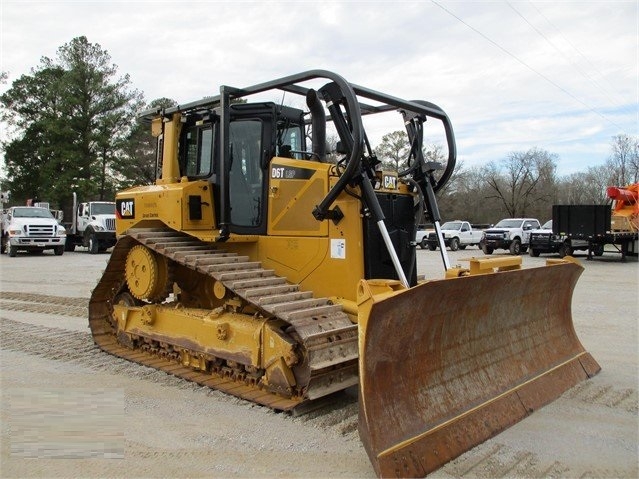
(62, 231)
(506, 235)
(15, 232)
(98, 228)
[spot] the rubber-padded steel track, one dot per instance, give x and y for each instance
(324, 332)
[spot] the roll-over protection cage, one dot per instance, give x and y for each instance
(344, 102)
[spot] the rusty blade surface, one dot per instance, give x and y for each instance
(450, 363)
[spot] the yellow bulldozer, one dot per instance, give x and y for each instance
(257, 266)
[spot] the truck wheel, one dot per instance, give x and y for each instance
(11, 250)
(486, 249)
(534, 252)
(598, 250)
(3, 244)
(462, 246)
(515, 247)
(454, 244)
(94, 244)
(58, 250)
(432, 247)
(565, 250)
(423, 244)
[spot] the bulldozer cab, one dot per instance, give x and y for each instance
(256, 133)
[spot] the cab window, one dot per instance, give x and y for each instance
(198, 151)
(289, 140)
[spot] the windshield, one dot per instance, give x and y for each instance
(547, 225)
(508, 224)
(451, 225)
(31, 213)
(103, 208)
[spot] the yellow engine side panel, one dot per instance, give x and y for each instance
(166, 204)
(295, 188)
(321, 256)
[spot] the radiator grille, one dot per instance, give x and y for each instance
(110, 224)
(40, 231)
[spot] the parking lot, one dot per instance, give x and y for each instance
(71, 410)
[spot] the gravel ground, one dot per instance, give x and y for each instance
(70, 410)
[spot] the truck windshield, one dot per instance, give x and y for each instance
(508, 224)
(451, 225)
(102, 208)
(31, 213)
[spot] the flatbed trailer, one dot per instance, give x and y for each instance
(592, 223)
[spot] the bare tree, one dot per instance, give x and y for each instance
(587, 188)
(524, 182)
(624, 160)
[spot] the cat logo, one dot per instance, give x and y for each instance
(125, 209)
(389, 181)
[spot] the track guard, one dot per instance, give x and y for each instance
(451, 363)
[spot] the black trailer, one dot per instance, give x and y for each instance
(591, 223)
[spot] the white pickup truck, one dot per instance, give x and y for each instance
(457, 235)
(32, 229)
(512, 234)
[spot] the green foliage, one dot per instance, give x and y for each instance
(393, 151)
(72, 117)
(137, 163)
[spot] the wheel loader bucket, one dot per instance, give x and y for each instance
(450, 363)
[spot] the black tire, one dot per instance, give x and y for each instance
(424, 243)
(58, 250)
(515, 247)
(432, 247)
(454, 244)
(565, 250)
(462, 246)
(3, 244)
(534, 252)
(94, 244)
(11, 250)
(598, 249)
(486, 249)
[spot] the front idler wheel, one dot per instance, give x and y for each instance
(147, 274)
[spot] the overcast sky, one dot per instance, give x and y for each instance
(512, 75)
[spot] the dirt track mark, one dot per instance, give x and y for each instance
(500, 461)
(591, 393)
(44, 304)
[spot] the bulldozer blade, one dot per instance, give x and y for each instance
(451, 363)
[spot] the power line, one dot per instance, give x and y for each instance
(568, 58)
(514, 57)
